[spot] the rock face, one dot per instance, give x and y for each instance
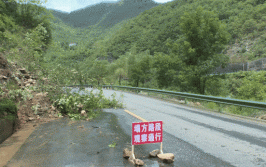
(127, 153)
(154, 153)
(167, 158)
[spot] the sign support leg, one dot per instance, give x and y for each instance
(161, 148)
(132, 157)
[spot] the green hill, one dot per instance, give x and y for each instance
(107, 13)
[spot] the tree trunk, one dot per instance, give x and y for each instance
(119, 80)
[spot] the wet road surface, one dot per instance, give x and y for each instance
(234, 140)
(197, 138)
(76, 143)
(70, 143)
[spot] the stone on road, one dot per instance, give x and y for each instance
(166, 157)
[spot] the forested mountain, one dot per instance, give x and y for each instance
(174, 46)
(244, 19)
(106, 14)
(177, 44)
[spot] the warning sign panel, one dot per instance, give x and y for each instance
(147, 132)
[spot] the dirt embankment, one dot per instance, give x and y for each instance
(34, 107)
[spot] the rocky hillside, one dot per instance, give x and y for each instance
(19, 85)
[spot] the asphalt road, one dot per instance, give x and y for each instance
(200, 138)
(197, 138)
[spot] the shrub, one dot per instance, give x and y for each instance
(8, 106)
(68, 104)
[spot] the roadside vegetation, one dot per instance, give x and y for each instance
(174, 46)
(30, 90)
(85, 106)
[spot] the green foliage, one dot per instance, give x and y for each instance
(8, 106)
(99, 70)
(139, 67)
(217, 85)
(112, 145)
(68, 104)
(212, 106)
(12, 85)
(203, 38)
(243, 111)
(165, 66)
(248, 85)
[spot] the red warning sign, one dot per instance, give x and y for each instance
(147, 132)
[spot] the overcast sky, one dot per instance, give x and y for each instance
(71, 5)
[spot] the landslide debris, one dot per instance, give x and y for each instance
(18, 84)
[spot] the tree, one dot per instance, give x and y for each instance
(165, 69)
(120, 73)
(200, 46)
(134, 72)
(99, 70)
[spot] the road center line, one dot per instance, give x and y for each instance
(136, 116)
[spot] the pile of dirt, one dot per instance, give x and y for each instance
(34, 107)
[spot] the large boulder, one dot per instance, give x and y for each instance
(167, 157)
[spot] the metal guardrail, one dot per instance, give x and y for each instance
(243, 103)
(237, 102)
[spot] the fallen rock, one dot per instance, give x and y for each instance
(52, 108)
(80, 105)
(138, 162)
(81, 127)
(126, 153)
(154, 153)
(31, 118)
(27, 76)
(23, 70)
(131, 159)
(182, 102)
(3, 77)
(19, 76)
(30, 80)
(42, 94)
(28, 90)
(167, 157)
(198, 103)
(263, 117)
(83, 113)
